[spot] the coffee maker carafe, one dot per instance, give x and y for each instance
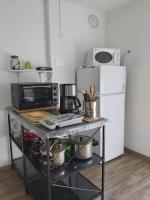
(69, 103)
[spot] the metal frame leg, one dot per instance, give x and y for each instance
(10, 143)
(103, 162)
(49, 181)
(24, 162)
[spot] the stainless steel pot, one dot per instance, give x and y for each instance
(82, 147)
(56, 153)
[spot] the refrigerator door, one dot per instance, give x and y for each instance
(112, 79)
(112, 107)
(110, 86)
(87, 77)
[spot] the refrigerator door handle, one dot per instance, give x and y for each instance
(124, 88)
(110, 94)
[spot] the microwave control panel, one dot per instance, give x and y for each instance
(55, 93)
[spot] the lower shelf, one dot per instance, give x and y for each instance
(87, 191)
(71, 187)
(18, 164)
(61, 172)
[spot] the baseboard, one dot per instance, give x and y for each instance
(136, 153)
(5, 168)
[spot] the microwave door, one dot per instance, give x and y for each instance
(28, 95)
(37, 94)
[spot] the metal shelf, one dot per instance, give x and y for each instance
(18, 165)
(74, 167)
(64, 182)
(30, 70)
(28, 156)
(73, 188)
(64, 171)
(18, 72)
(17, 141)
(45, 133)
(76, 187)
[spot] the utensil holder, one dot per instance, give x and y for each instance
(90, 109)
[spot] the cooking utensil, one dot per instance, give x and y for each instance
(90, 95)
(82, 147)
(43, 149)
(56, 153)
(92, 92)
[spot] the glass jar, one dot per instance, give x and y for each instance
(14, 63)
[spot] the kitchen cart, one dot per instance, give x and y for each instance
(64, 182)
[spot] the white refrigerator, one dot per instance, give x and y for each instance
(110, 83)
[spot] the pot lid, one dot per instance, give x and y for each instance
(81, 140)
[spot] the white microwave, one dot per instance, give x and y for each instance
(97, 56)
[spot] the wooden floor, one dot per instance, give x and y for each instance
(127, 178)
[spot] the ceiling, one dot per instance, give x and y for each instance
(106, 5)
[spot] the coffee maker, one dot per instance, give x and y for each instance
(69, 103)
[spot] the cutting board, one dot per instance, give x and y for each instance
(49, 108)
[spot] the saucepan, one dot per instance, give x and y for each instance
(56, 153)
(82, 147)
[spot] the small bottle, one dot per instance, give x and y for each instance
(14, 62)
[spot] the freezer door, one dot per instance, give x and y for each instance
(113, 108)
(87, 77)
(112, 79)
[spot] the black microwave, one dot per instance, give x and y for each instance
(34, 95)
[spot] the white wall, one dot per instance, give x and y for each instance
(129, 28)
(68, 50)
(23, 32)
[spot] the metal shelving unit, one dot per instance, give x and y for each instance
(64, 182)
